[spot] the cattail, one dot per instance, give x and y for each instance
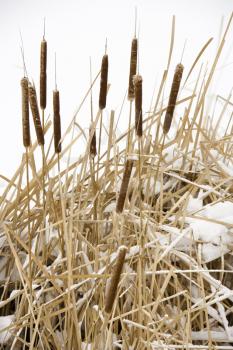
(93, 150)
(133, 68)
(172, 98)
(116, 274)
(56, 121)
(36, 114)
(124, 185)
(43, 76)
(103, 82)
(138, 104)
(25, 113)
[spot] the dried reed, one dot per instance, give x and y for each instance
(36, 114)
(133, 68)
(138, 104)
(172, 98)
(43, 75)
(103, 82)
(56, 121)
(124, 186)
(116, 274)
(25, 113)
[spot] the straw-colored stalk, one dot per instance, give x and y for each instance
(173, 97)
(25, 113)
(36, 114)
(133, 68)
(56, 121)
(116, 274)
(124, 186)
(138, 104)
(43, 74)
(103, 82)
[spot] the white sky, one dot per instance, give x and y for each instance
(77, 30)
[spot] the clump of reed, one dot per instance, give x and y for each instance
(54, 291)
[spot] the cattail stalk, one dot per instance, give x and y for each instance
(138, 104)
(116, 274)
(124, 186)
(43, 74)
(103, 82)
(133, 68)
(56, 121)
(25, 113)
(173, 97)
(36, 114)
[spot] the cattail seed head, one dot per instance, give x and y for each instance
(173, 97)
(138, 104)
(43, 74)
(124, 186)
(133, 68)
(116, 274)
(56, 121)
(25, 113)
(36, 114)
(103, 82)
(93, 150)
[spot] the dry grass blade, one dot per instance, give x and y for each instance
(56, 121)
(25, 113)
(173, 97)
(103, 82)
(36, 114)
(133, 68)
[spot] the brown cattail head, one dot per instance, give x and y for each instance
(43, 75)
(133, 68)
(172, 98)
(103, 82)
(93, 150)
(138, 104)
(56, 121)
(116, 274)
(25, 113)
(124, 185)
(36, 114)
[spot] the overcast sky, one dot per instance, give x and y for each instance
(77, 29)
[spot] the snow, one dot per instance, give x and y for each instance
(5, 321)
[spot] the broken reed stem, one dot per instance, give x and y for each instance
(173, 97)
(124, 186)
(25, 113)
(116, 274)
(138, 104)
(43, 74)
(133, 68)
(36, 115)
(103, 82)
(56, 121)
